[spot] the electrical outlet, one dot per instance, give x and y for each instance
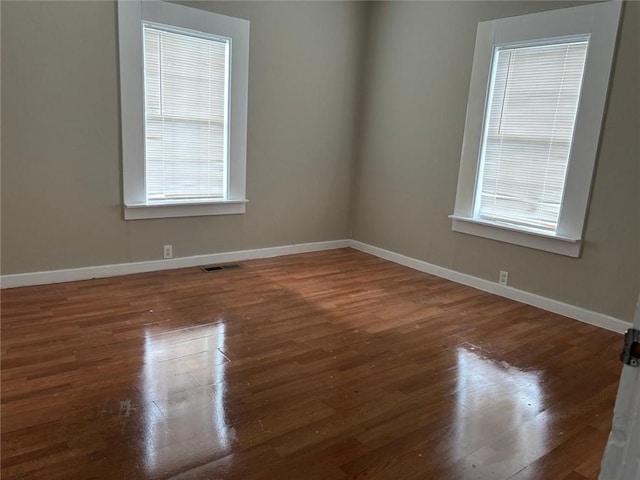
(504, 278)
(168, 251)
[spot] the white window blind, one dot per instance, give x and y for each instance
(529, 124)
(185, 94)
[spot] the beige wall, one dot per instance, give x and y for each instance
(61, 160)
(418, 71)
(61, 165)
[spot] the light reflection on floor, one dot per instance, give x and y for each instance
(185, 420)
(499, 405)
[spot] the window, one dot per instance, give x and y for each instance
(183, 82)
(185, 85)
(536, 101)
(533, 100)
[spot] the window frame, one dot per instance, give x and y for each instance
(131, 15)
(601, 22)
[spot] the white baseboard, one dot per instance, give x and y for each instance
(86, 273)
(555, 306)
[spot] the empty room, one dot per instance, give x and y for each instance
(320, 240)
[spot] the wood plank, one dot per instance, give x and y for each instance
(327, 365)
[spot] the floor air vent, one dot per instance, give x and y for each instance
(215, 268)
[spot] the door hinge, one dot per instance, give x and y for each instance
(631, 351)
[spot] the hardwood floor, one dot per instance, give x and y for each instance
(327, 365)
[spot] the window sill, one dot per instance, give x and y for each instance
(559, 244)
(187, 208)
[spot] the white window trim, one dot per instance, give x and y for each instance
(601, 21)
(131, 14)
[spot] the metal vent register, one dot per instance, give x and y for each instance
(216, 268)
